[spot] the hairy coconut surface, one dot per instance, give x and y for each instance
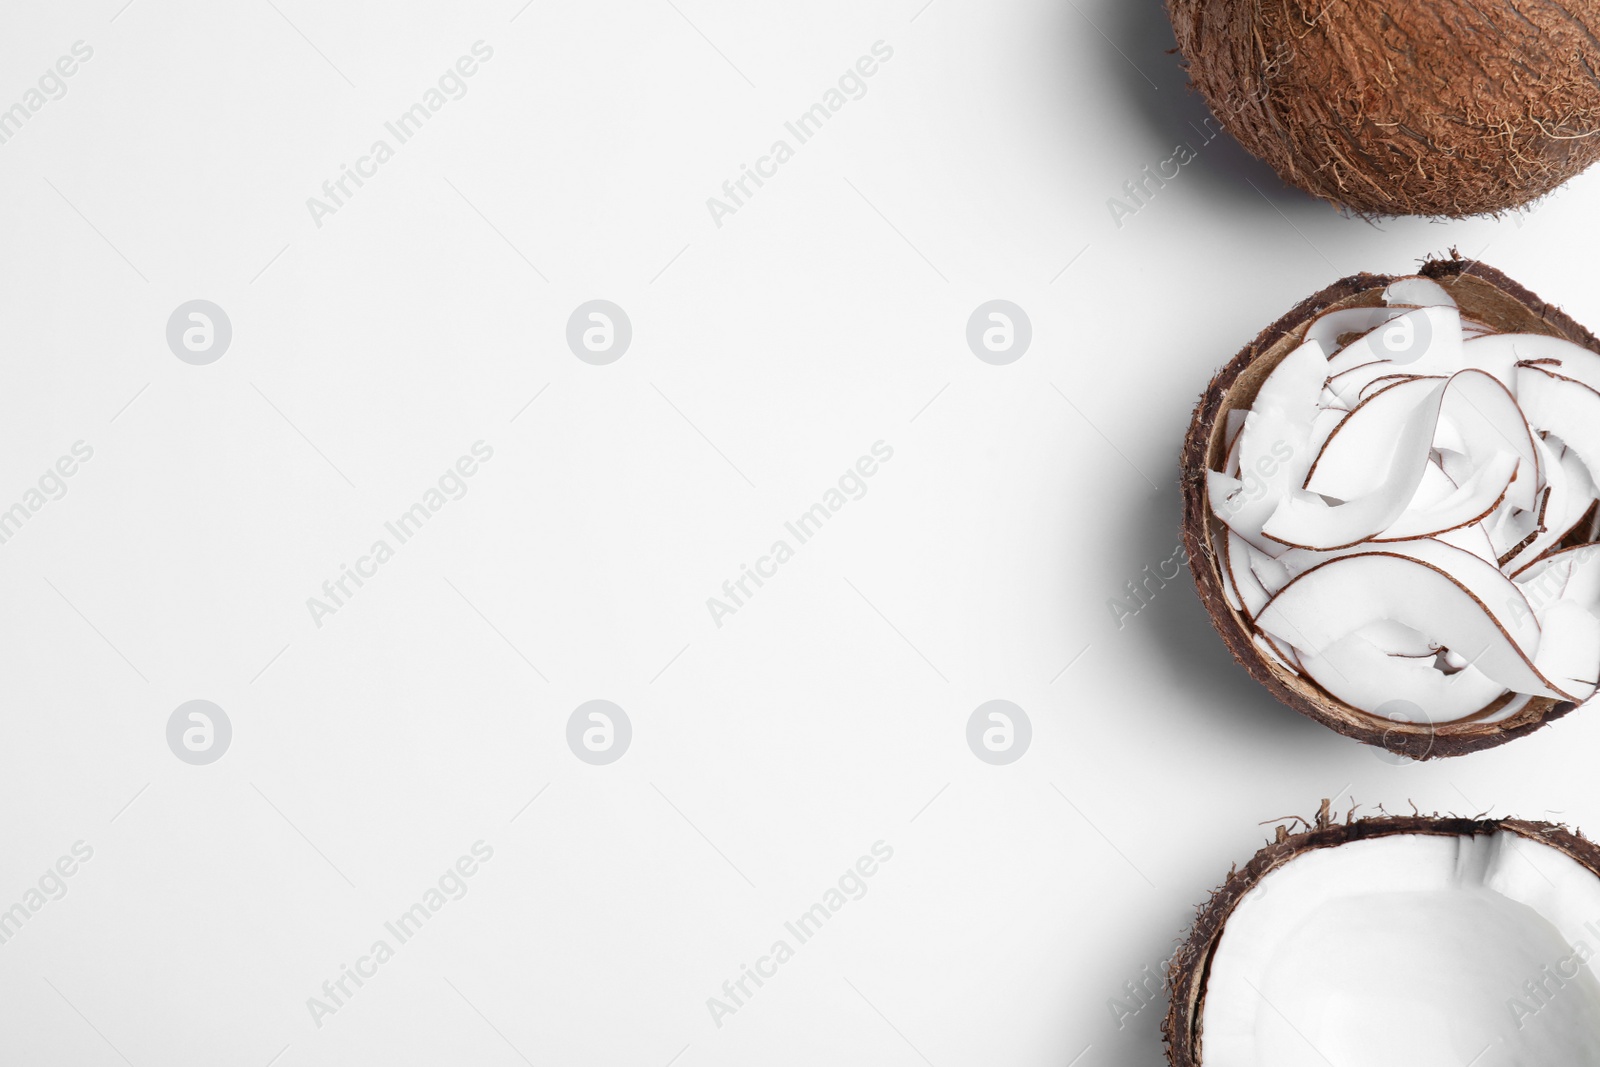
(1190, 967)
(1404, 107)
(1484, 294)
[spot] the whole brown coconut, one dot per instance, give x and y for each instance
(1189, 969)
(1483, 293)
(1404, 107)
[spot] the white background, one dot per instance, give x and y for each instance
(768, 354)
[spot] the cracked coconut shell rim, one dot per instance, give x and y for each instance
(1389, 509)
(1400, 941)
(1403, 107)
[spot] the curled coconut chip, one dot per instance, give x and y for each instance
(1400, 941)
(1391, 498)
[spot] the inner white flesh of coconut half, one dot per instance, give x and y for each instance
(1410, 951)
(1410, 506)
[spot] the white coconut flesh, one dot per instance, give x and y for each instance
(1411, 950)
(1396, 501)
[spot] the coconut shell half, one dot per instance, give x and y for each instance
(1190, 967)
(1484, 294)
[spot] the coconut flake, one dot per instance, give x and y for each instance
(1418, 291)
(1450, 596)
(1393, 473)
(1329, 327)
